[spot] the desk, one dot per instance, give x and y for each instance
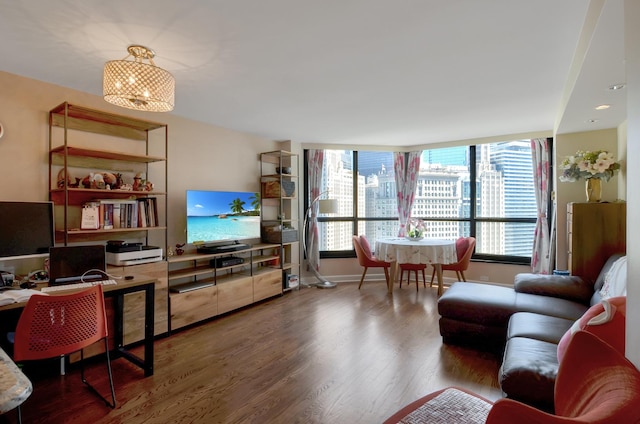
(117, 292)
(15, 387)
(426, 251)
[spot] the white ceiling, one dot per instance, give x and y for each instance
(374, 72)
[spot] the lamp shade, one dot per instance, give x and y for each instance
(328, 206)
(134, 84)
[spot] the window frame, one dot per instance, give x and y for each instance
(473, 219)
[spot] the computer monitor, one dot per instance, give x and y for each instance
(70, 264)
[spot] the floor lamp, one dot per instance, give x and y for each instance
(325, 206)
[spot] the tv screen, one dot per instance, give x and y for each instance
(215, 216)
(26, 228)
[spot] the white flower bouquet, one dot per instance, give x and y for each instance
(588, 164)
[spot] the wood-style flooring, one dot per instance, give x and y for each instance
(310, 356)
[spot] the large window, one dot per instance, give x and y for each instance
(485, 191)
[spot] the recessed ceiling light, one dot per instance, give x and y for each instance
(603, 107)
(619, 86)
(591, 121)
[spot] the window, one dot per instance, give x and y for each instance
(485, 191)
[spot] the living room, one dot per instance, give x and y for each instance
(203, 156)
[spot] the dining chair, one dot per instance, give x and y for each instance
(415, 268)
(52, 326)
(366, 258)
(464, 250)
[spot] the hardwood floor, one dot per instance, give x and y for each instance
(311, 356)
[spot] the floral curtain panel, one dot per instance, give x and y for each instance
(406, 167)
(541, 261)
(315, 160)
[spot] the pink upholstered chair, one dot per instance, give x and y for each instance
(415, 268)
(366, 258)
(464, 250)
(595, 384)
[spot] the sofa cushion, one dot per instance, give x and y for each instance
(536, 326)
(615, 281)
(607, 320)
(561, 286)
(478, 303)
(597, 287)
(551, 306)
(528, 372)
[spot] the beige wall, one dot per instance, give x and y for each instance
(200, 156)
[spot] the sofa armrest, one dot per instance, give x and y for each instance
(561, 286)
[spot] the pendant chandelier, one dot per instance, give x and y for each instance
(137, 85)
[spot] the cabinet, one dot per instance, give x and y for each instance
(201, 286)
(279, 207)
(595, 231)
(130, 157)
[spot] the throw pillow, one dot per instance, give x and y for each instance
(462, 244)
(366, 246)
(605, 320)
(615, 281)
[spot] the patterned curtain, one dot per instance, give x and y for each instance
(315, 160)
(540, 256)
(406, 167)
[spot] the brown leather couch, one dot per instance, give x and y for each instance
(523, 324)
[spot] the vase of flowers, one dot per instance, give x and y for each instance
(591, 166)
(415, 229)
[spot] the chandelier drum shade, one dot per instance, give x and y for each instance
(134, 84)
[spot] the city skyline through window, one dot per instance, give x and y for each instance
(496, 179)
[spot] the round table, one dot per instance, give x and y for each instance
(399, 250)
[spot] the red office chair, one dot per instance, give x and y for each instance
(57, 325)
(464, 248)
(366, 258)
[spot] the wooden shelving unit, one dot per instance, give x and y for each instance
(216, 290)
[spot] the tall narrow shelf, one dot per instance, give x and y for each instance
(84, 141)
(279, 171)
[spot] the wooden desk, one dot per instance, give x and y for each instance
(435, 252)
(117, 292)
(15, 387)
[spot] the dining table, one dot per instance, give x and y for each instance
(431, 251)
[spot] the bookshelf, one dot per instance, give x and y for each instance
(112, 162)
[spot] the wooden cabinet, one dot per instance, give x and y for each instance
(134, 302)
(279, 206)
(201, 289)
(595, 231)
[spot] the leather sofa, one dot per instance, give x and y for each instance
(523, 324)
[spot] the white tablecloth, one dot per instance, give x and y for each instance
(425, 251)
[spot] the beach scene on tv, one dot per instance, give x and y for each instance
(222, 216)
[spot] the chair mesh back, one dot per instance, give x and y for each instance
(60, 324)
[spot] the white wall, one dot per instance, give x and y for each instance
(632, 54)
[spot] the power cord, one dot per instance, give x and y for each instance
(106, 274)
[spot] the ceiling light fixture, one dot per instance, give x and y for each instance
(137, 85)
(617, 86)
(591, 121)
(603, 107)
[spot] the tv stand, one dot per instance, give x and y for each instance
(234, 247)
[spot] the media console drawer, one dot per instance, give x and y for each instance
(193, 306)
(267, 285)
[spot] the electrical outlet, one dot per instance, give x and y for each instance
(484, 278)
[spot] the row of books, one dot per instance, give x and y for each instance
(109, 214)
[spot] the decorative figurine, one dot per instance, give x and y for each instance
(179, 249)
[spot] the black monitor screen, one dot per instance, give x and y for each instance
(26, 228)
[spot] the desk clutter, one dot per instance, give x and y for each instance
(15, 295)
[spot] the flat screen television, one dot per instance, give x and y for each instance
(26, 228)
(221, 216)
